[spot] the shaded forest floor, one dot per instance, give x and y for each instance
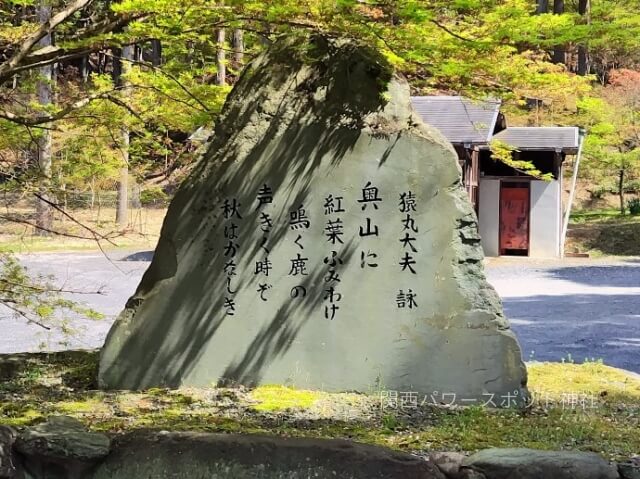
(588, 407)
(142, 230)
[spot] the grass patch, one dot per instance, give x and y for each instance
(559, 380)
(604, 232)
(282, 398)
(588, 407)
(595, 215)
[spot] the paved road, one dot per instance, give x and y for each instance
(573, 310)
(116, 277)
(576, 309)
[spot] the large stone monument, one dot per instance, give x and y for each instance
(323, 241)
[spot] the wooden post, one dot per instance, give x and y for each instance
(572, 191)
(474, 178)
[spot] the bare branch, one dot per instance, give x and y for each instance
(15, 219)
(56, 54)
(96, 236)
(172, 98)
(42, 119)
(122, 104)
(7, 302)
(47, 56)
(106, 26)
(39, 34)
(45, 290)
(451, 32)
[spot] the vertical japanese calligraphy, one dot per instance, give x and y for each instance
(334, 230)
(370, 197)
(407, 205)
(263, 265)
(299, 221)
(231, 214)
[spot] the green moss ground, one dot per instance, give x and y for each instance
(588, 407)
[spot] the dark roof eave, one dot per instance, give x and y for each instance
(567, 149)
(479, 144)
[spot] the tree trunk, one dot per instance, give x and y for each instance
(558, 7)
(584, 9)
(543, 6)
(85, 68)
(156, 53)
(238, 49)
(92, 186)
(122, 209)
(44, 211)
(559, 55)
(221, 75)
(621, 191)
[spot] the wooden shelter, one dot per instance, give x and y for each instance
(518, 215)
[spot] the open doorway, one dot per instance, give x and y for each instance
(514, 218)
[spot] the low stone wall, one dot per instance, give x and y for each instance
(63, 449)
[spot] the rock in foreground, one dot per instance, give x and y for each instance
(533, 464)
(195, 455)
(61, 448)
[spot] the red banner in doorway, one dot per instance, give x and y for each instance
(514, 218)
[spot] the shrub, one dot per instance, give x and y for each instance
(599, 192)
(634, 206)
(632, 186)
(154, 196)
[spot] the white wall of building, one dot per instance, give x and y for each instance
(544, 221)
(546, 218)
(489, 215)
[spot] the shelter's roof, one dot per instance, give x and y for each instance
(563, 138)
(459, 119)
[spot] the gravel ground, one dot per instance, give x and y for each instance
(116, 276)
(571, 310)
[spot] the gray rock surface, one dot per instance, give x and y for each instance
(630, 469)
(204, 456)
(310, 123)
(7, 460)
(61, 448)
(448, 462)
(533, 464)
